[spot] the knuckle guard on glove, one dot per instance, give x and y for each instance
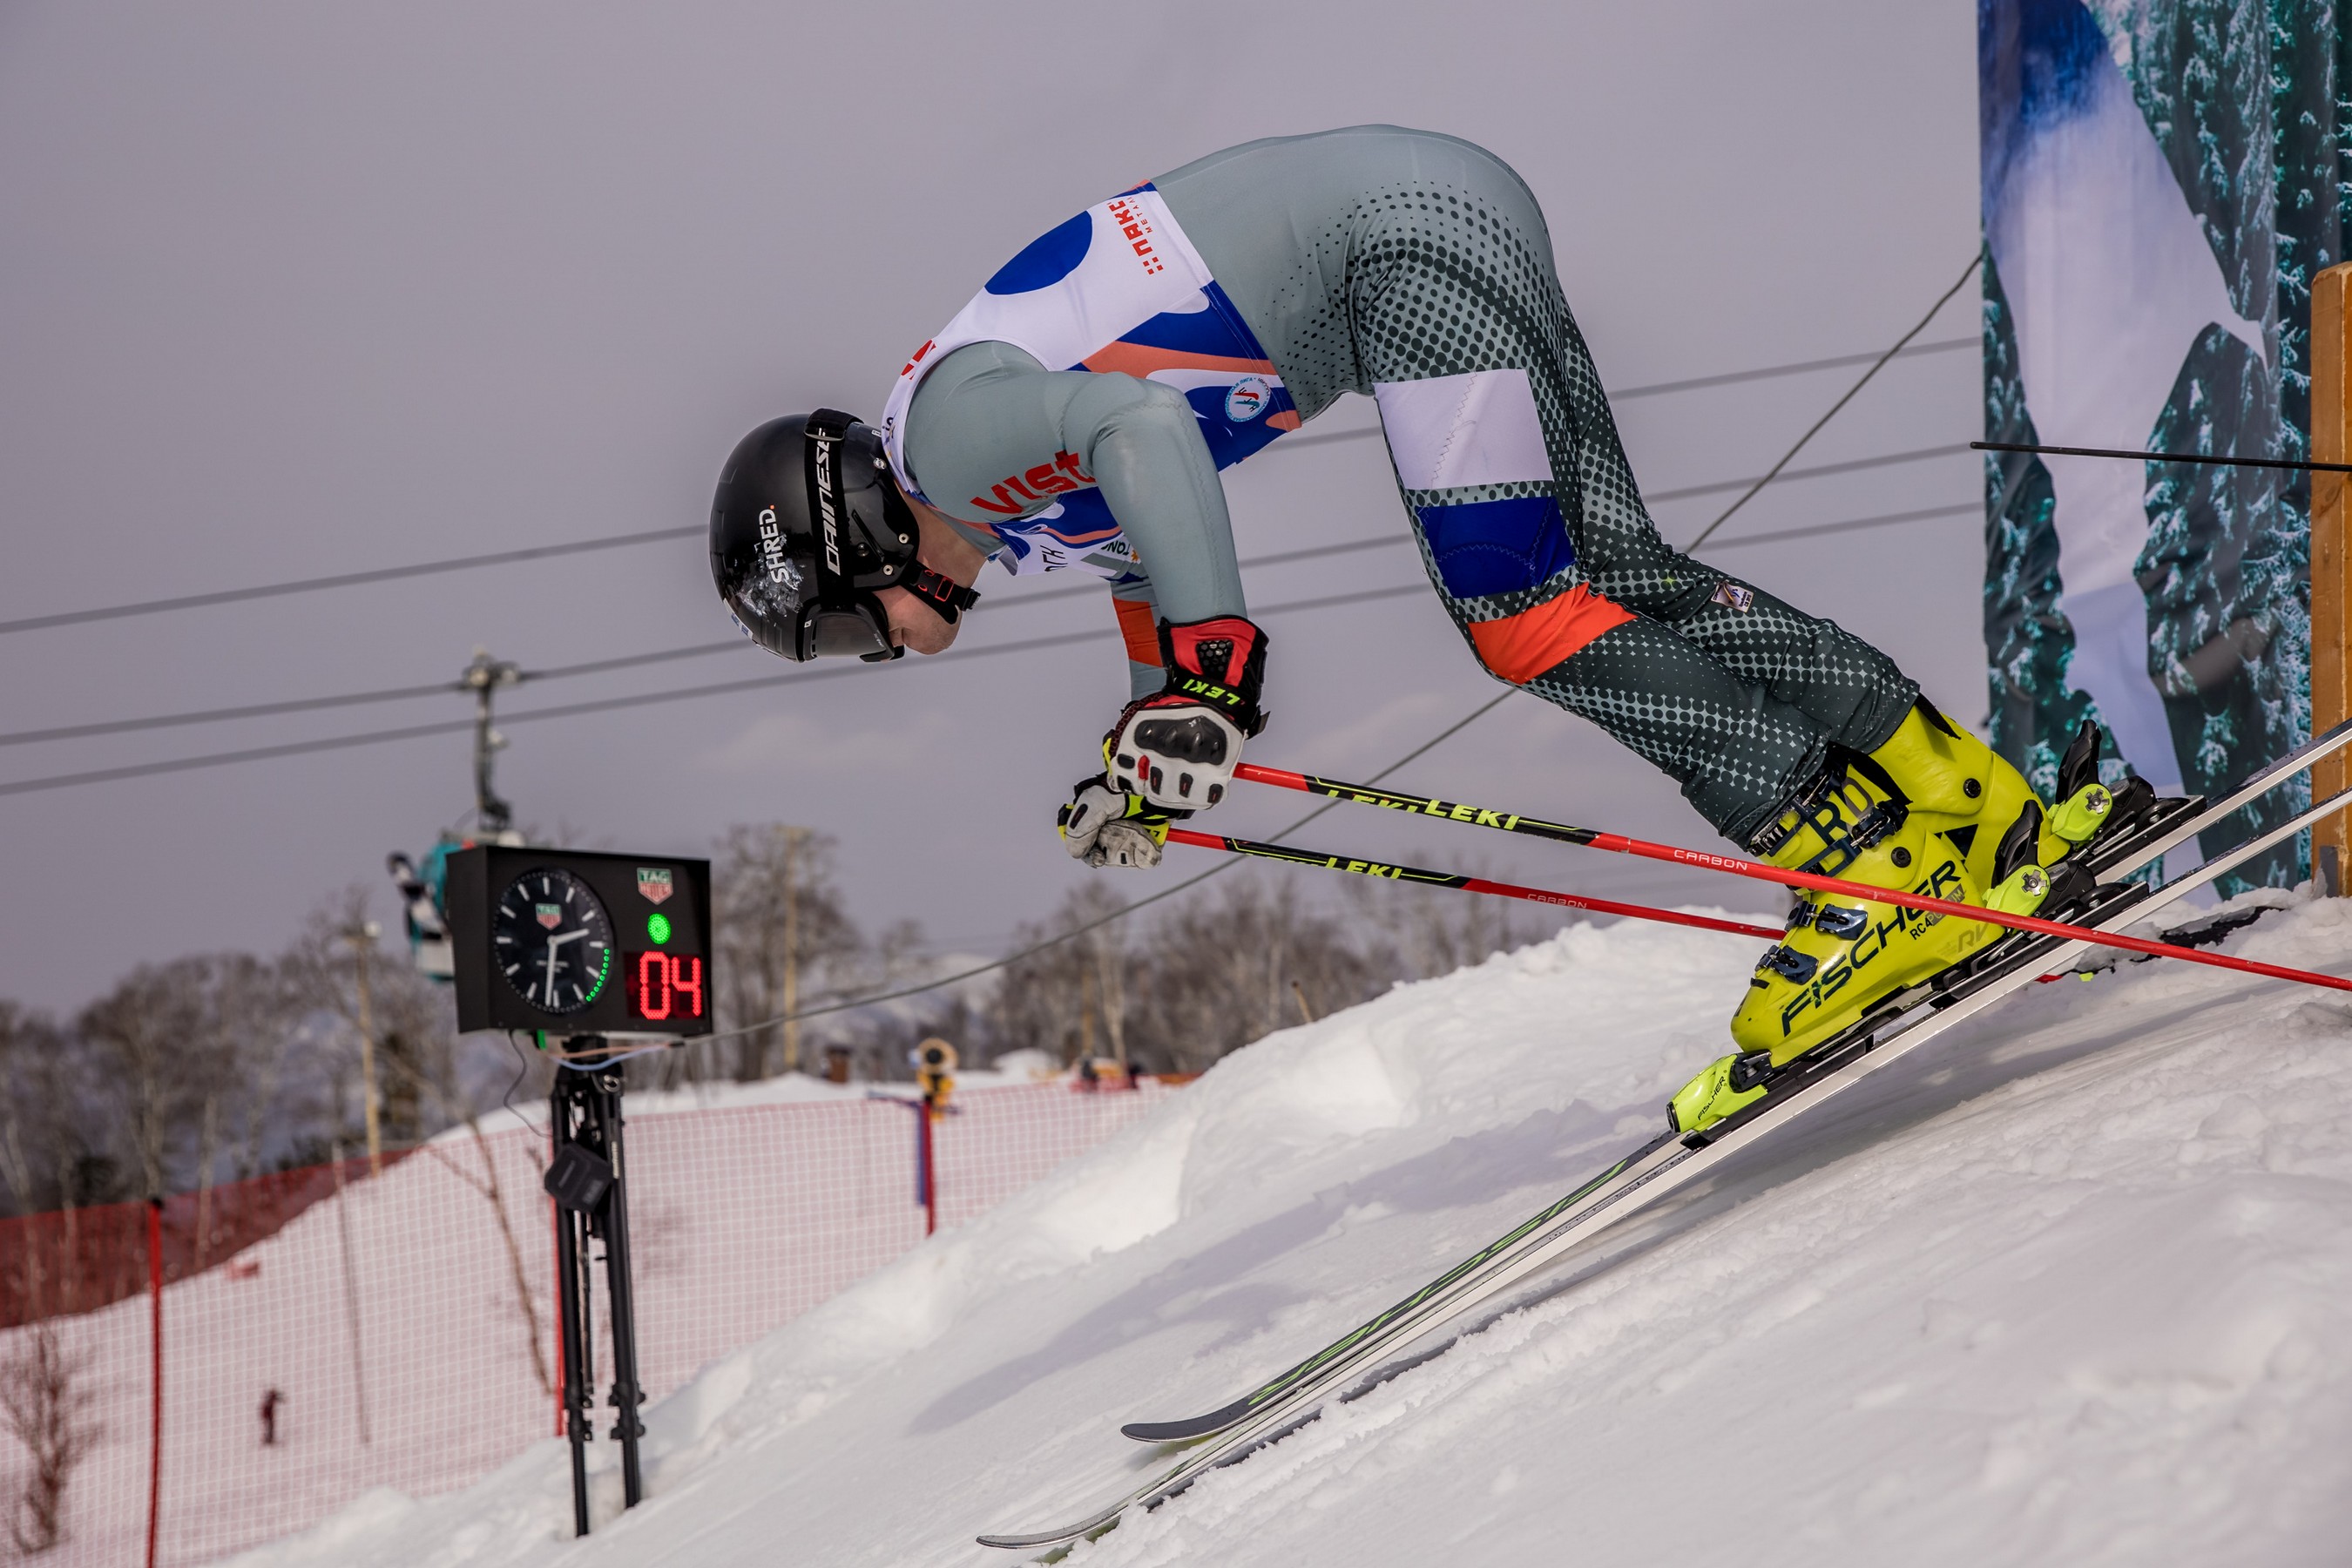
(1102, 825)
(1178, 748)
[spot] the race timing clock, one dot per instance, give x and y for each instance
(551, 939)
(581, 943)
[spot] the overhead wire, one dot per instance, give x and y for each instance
(730, 645)
(647, 536)
(342, 580)
(609, 704)
(1975, 266)
(1690, 383)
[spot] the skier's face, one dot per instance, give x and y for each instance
(914, 624)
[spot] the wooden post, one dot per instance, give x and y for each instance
(2331, 561)
(793, 838)
(361, 937)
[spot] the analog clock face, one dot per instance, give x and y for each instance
(553, 940)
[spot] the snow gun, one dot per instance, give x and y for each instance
(1618, 843)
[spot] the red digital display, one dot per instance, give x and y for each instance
(664, 985)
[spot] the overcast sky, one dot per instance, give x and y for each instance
(293, 290)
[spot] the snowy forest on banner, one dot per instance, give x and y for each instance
(2160, 185)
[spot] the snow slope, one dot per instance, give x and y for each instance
(2071, 1284)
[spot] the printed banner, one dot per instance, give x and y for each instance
(2160, 184)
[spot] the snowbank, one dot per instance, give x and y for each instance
(2067, 1284)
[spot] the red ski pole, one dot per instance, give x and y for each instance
(1389, 871)
(1618, 843)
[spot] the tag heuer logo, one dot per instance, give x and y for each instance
(654, 883)
(550, 915)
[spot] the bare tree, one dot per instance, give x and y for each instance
(781, 930)
(147, 1032)
(263, 1022)
(1178, 992)
(43, 1115)
(46, 1400)
(1041, 1000)
(1436, 930)
(1219, 971)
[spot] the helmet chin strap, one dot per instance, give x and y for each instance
(943, 594)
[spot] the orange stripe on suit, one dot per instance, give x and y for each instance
(1520, 648)
(1141, 632)
(1140, 360)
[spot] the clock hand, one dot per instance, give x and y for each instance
(554, 941)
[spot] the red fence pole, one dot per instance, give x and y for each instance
(155, 1340)
(930, 1171)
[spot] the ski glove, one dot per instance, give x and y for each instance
(1107, 827)
(1178, 748)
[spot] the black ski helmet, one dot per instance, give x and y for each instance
(807, 526)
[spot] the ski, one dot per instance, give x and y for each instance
(2171, 824)
(1669, 1161)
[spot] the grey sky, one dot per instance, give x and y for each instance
(290, 290)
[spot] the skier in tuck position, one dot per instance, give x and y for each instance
(1076, 412)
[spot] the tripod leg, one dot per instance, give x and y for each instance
(627, 1394)
(571, 1320)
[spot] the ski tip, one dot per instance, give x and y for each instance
(1153, 1431)
(1054, 1537)
(1019, 1542)
(1187, 1427)
(1181, 1431)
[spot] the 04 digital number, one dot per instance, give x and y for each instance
(665, 985)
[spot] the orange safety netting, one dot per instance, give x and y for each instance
(326, 1330)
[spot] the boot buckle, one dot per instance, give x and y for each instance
(1836, 920)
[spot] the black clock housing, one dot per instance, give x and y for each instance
(577, 942)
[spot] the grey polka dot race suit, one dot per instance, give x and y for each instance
(1416, 268)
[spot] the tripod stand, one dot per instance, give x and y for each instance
(586, 1176)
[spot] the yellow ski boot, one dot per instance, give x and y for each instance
(1933, 811)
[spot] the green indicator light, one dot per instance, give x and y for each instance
(657, 928)
(603, 974)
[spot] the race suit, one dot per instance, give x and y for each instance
(1076, 412)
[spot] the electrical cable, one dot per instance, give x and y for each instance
(1887, 519)
(23, 737)
(601, 1062)
(522, 1070)
(1819, 470)
(2291, 465)
(699, 650)
(647, 536)
(342, 580)
(1692, 384)
(1976, 263)
(221, 715)
(607, 704)
(567, 671)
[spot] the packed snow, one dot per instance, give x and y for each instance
(2069, 1284)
